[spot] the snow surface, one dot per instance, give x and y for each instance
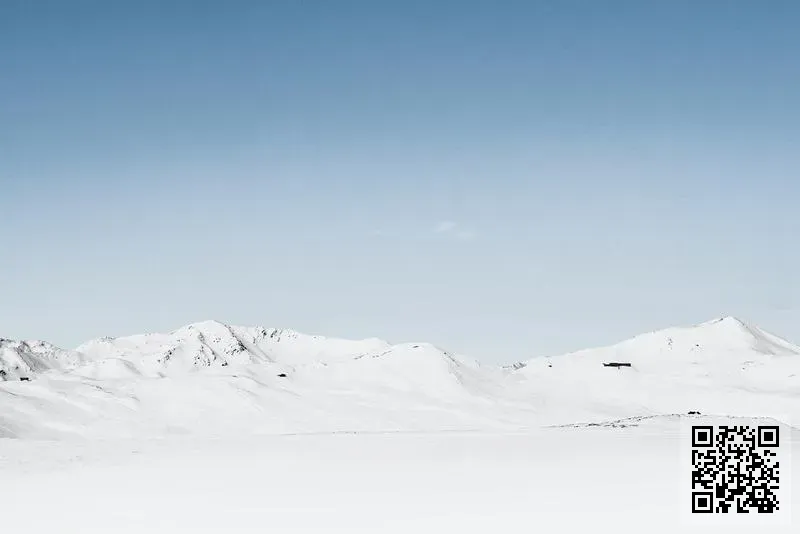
(604, 479)
(215, 428)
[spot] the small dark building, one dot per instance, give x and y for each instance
(616, 364)
(694, 413)
(282, 375)
(24, 378)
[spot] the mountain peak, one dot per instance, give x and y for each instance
(727, 321)
(721, 335)
(728, 326)
(206, 325)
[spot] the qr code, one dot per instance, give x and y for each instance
(736, 469)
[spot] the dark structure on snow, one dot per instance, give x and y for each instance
(616, 364)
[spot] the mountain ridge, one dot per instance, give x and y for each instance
(213, 379)
(212, 343)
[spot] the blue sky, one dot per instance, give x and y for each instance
(505, 179)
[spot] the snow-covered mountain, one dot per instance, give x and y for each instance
(721, 366)
(726, 342)
(214, 344)
(213, 378)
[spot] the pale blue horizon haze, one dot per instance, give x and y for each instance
(502, 179)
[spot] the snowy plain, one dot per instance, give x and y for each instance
(213, 428)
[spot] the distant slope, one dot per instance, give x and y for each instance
(723, 366)
(725, 343)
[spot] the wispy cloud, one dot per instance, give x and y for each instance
(454, 230)
(444, 227)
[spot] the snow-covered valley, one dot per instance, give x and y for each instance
(214, 428)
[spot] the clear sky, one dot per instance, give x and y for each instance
(504, 179)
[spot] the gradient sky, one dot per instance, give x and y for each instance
(504, 179)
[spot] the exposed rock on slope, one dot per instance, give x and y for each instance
(23, 359)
